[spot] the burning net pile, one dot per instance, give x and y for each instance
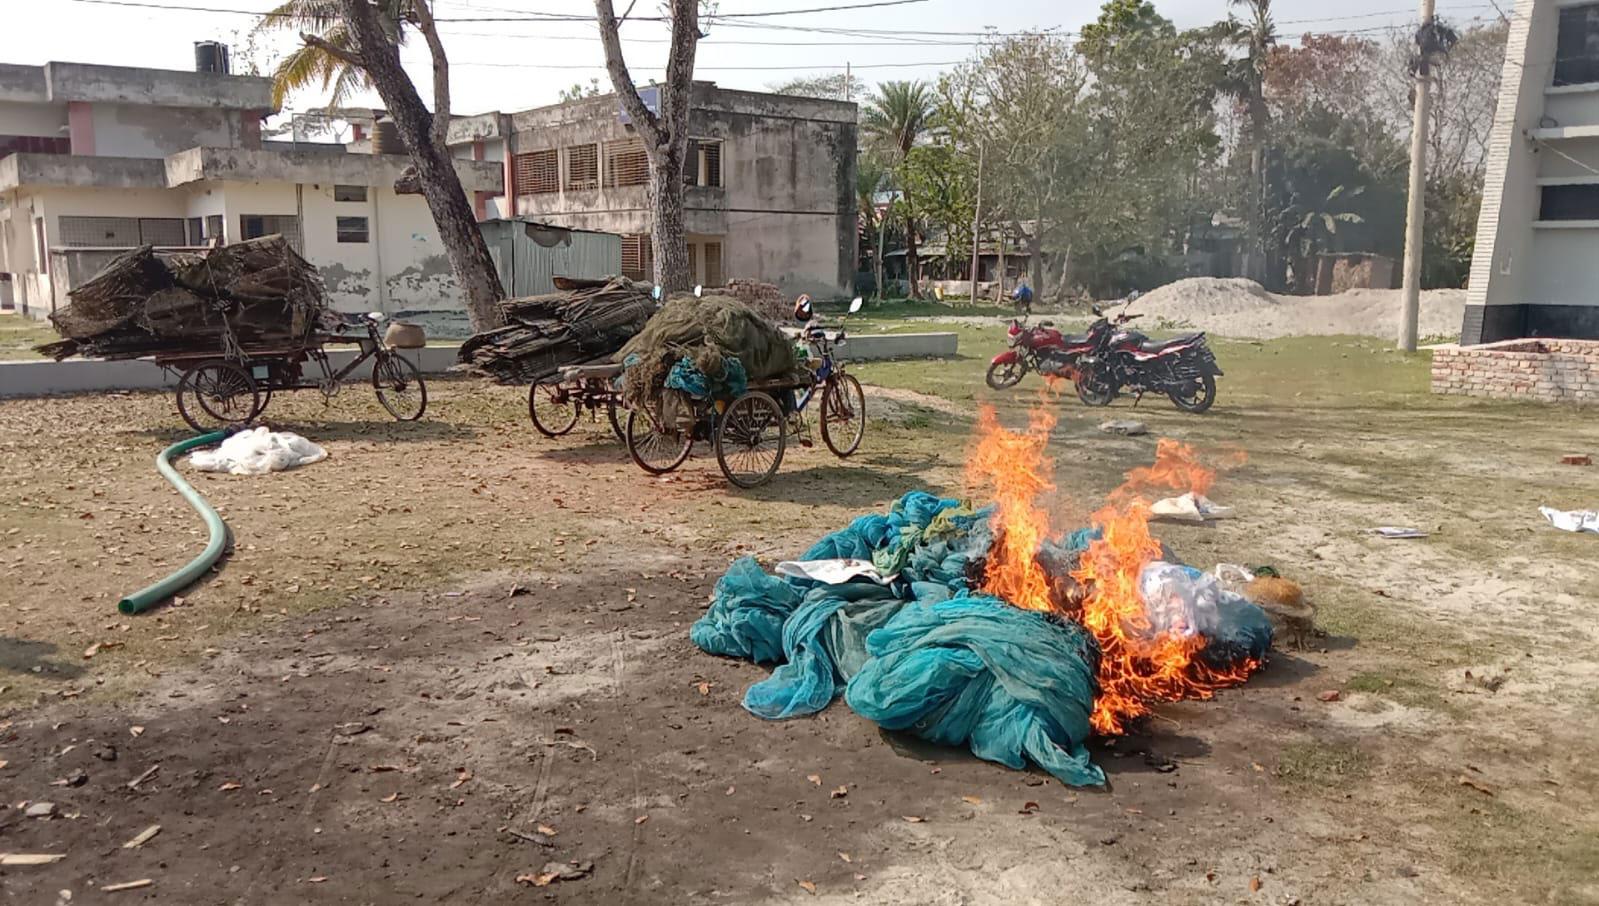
(1000, 632)
(250, 293)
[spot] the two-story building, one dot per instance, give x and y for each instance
(98, 159)
(1535, 270)
(770, 181)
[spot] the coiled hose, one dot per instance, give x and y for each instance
(146, 598)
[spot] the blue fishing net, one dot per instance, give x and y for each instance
(926, 653)
(733, 382)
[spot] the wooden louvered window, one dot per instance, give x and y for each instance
(582, 167)
(626, 164)
(538, 172)
(702, 165)
(713, 264)
(637, 262)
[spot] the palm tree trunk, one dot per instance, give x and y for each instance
(882, 237)
(440, 184)
(913, 264)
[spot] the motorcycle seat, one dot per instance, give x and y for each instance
(1162, 345)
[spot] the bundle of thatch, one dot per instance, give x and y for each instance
(585, 321)
(260, 292)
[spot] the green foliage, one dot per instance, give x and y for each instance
(836, 87)
(579, 91)
(308, 66)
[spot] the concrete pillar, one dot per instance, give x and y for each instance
(80, 127)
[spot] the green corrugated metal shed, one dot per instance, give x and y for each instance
(530, 255)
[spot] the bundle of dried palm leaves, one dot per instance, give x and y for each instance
(585, 321)
(259, 292)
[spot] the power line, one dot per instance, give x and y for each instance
(527, 16)
(637, 67)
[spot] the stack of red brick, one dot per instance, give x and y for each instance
(765, 298)
(1551, 370)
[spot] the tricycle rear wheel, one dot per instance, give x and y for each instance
(750, 438)
(218, 393)
(552, 407)
(657, 449)
(843, 415)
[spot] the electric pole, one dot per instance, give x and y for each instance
(1415, 210)
(977, 223)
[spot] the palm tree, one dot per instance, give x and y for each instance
(894, 119)
(870, 175)
(310, 65)
(1247, 81)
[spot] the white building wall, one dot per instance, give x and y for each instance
(136, 130)
(46, 120)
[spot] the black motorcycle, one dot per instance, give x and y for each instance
(1126, 361)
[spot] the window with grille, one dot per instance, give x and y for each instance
(694, 261)
(34, 144)
(121, 232)
(626, 164)
(349, 193)
(702, 165)
(254, 226)
(352, 229)
(1577, 46)
(583, 167)
(538, 172)
(637, 262)
(713, 264)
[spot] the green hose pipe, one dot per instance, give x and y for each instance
(145, 598)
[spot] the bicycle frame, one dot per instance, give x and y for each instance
(371, 345)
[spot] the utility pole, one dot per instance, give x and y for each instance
(977, 223)
(1415, 210)
(848, 83)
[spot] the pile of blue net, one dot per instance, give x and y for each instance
(928, 654)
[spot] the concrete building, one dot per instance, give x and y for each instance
(770, 181)
(98, 159)
(1535, 271)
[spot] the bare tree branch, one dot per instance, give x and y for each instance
(626, 13)
(645, 121)
(441, 72)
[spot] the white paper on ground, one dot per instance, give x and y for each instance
(1190, 507)
(1572, 520)
(1397, 531)
(832, 572)
(257, 452)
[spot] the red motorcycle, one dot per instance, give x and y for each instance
(1042, 349)
(1122, 360)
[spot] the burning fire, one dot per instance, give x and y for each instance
(1137, 666)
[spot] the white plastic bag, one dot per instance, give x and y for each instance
(1571, 520)
(1179, 600)
(1189, 507)
(257, 452)
(833, 572)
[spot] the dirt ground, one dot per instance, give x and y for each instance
(455, 652)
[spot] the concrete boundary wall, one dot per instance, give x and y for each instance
(36, 378)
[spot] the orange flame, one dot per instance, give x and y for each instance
(1014, 465)
(1138, 665)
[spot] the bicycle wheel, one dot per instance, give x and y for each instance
(399, 387)
(657, 449)
(615, 418)
(750, 438)
(553, 410)
(212, 394)
(843, 415)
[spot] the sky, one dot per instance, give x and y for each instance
(515, 65)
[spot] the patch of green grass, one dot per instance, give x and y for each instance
(1322, 764)
(18, 336)
(1405, 687)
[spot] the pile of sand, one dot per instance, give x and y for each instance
(1236, 307)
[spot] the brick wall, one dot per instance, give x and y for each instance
(1544, 370)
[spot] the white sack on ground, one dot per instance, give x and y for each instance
(257, 452)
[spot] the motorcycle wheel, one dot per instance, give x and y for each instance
(1006, 374)
(1196, 397)
(1093, 396)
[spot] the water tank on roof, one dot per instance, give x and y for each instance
(211, 56)
(386, 137)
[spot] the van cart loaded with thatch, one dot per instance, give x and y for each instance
(238, 322)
